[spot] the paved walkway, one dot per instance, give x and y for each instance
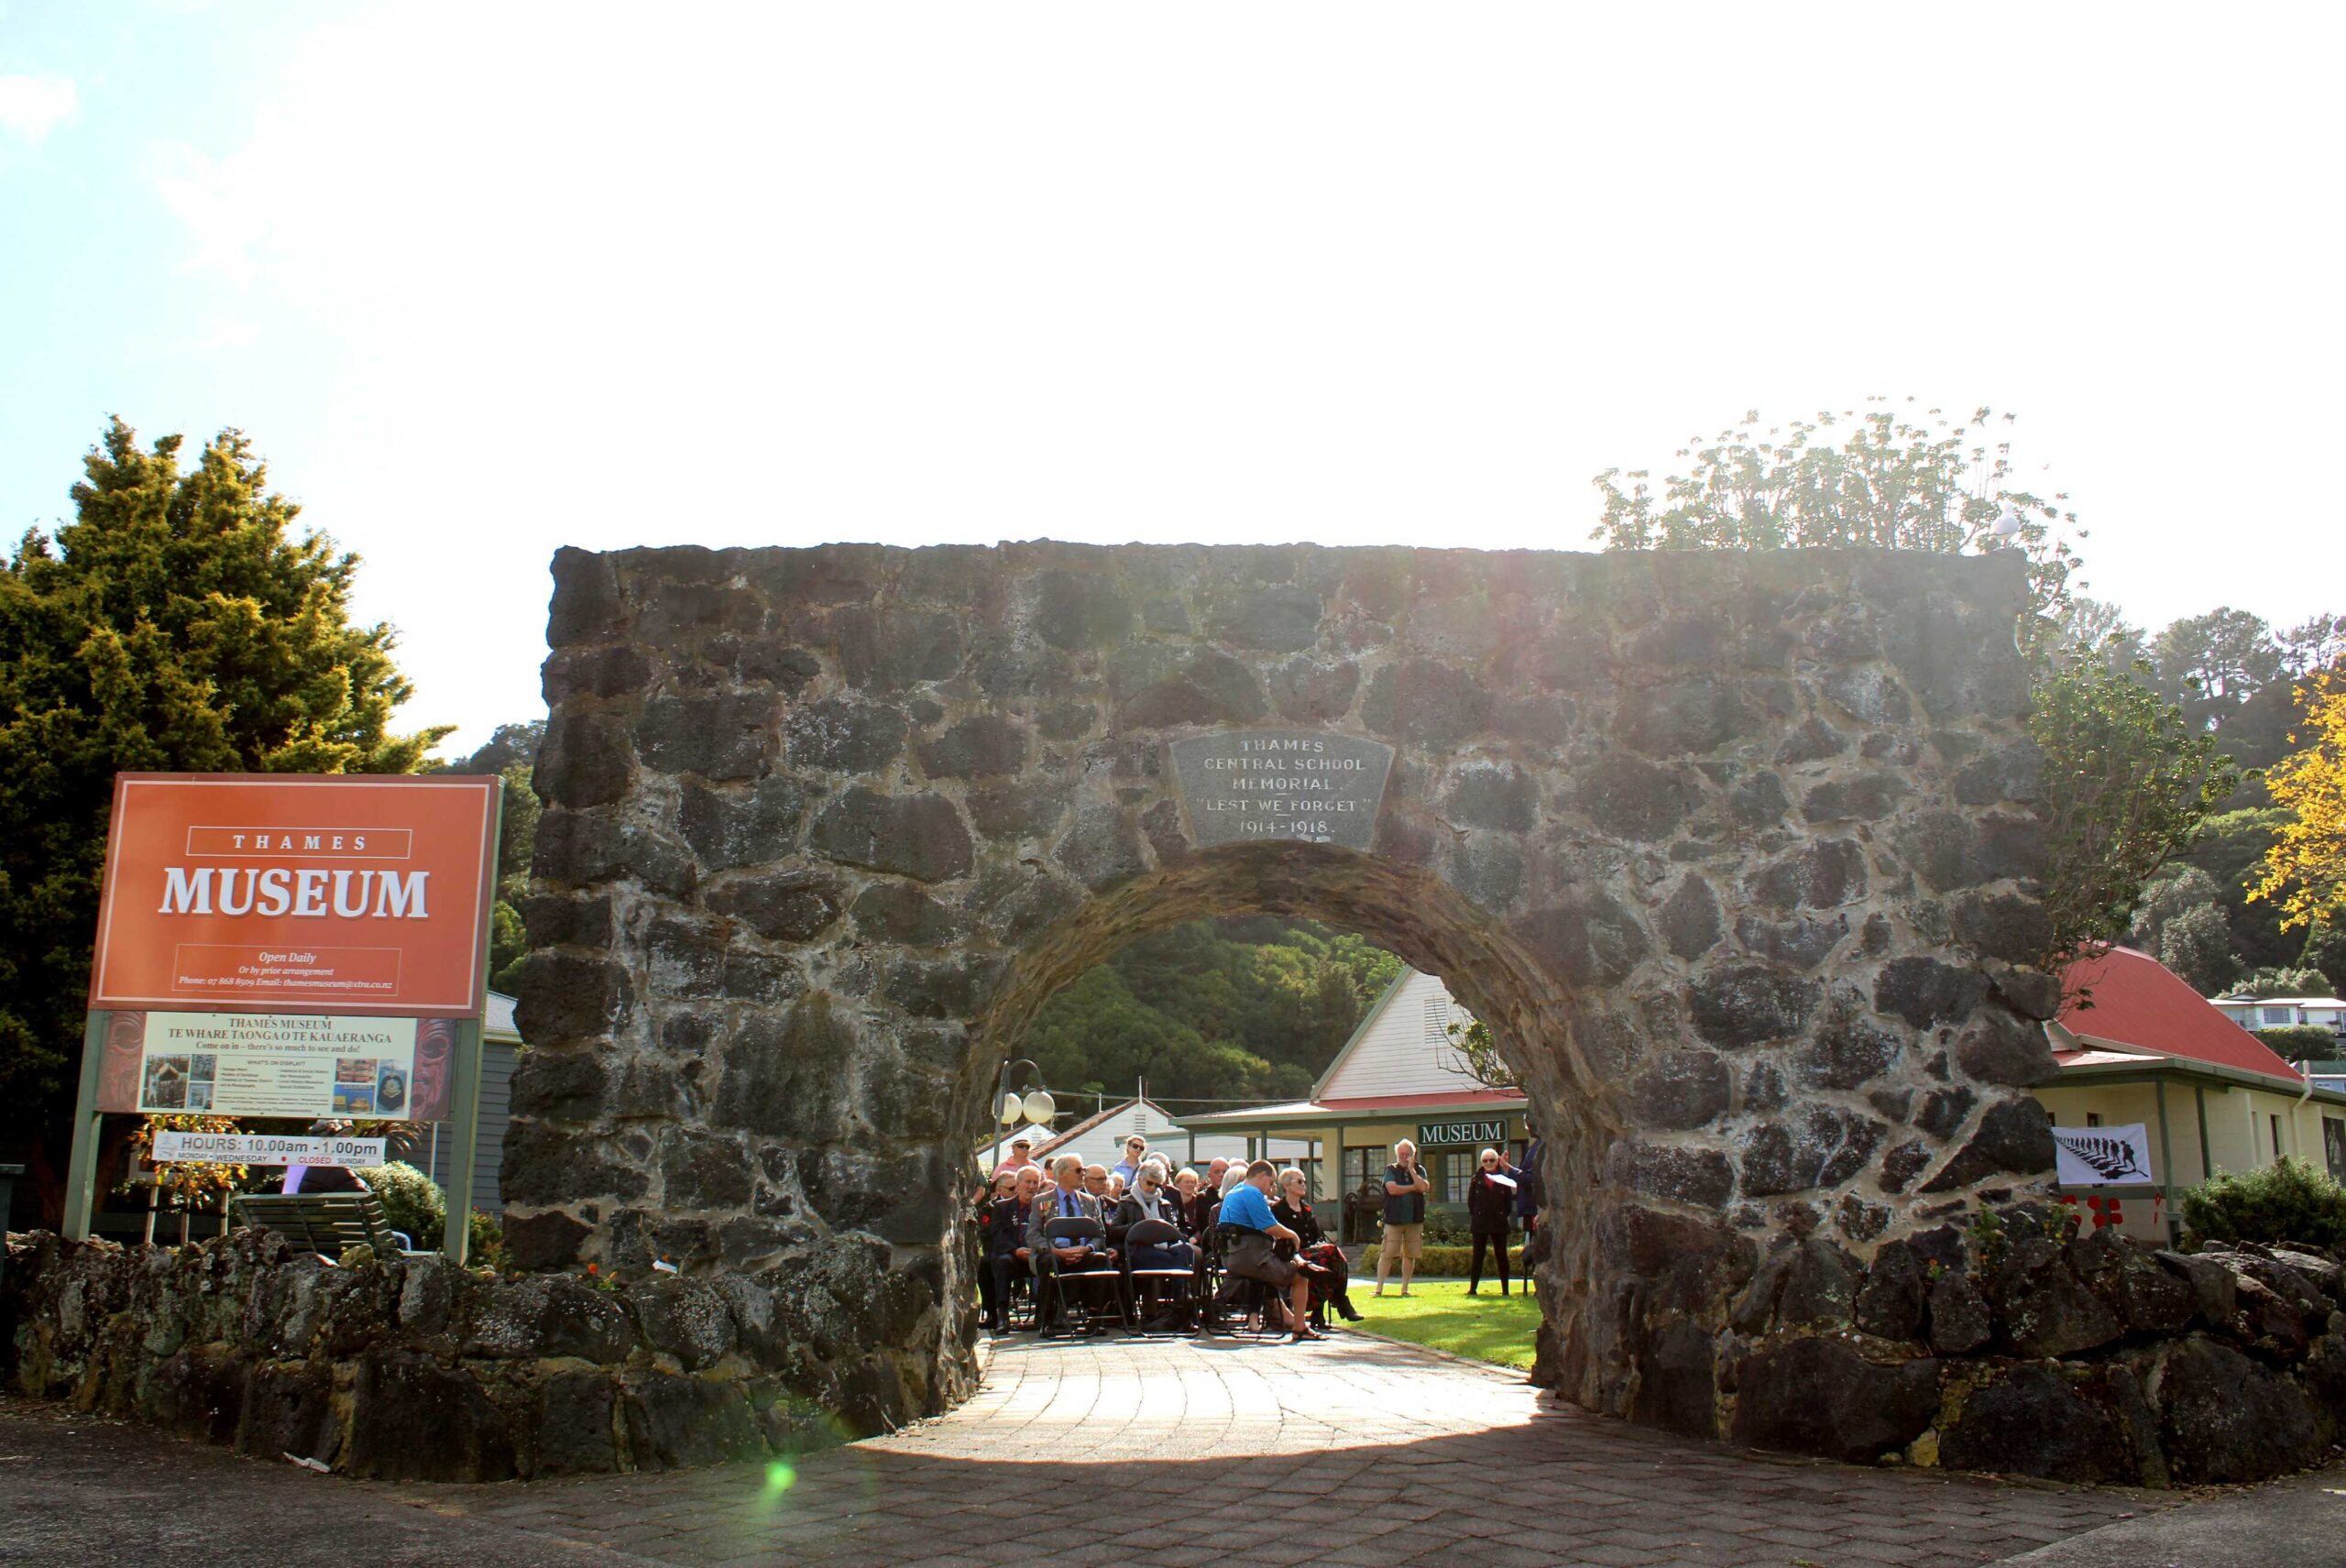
(1142, 1453)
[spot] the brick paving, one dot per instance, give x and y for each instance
(1173, 1453)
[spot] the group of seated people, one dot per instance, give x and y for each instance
(1253, 1219)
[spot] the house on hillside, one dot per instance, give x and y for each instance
(1101, 1136)
(2282, 1012)
(1397, 1076)
(2146, 1049)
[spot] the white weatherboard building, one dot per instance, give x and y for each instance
(1100, 1138)
(2282, 1012)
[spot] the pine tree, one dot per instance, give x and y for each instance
(177, 624)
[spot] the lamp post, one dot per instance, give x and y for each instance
(1035, 1106)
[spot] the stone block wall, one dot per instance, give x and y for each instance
(415, 1369)
(1733, 853)
(2015, 1347)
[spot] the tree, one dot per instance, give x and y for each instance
(512, 751)
(2281, 982)
(1240, 1009)
(177, 623)
(1475, 1053)
(2305, 870)
(2198, 945)
(2167, 896)
(2128, 781)
(1903, 481)
(2128, 785)
(2090, 624)
(2300, 1042)
(2213, 665)
(2325, 953)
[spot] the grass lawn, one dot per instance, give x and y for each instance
(1438, 1312)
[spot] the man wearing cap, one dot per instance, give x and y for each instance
(1021, 1155)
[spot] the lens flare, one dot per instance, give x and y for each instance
(780, 1478)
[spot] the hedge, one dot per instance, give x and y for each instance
(2288, 1200)
(1442, 1261)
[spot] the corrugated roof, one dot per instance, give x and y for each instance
(2138, 1002)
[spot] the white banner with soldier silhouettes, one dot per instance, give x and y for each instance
(2103, 1156)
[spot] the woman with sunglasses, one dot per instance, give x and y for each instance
(1490, 1206)
(1322, 1260)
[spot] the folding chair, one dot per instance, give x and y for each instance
(1226, 1291)
(1179, 1283)
(1052, 1302)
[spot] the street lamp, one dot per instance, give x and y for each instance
(1035, 1105)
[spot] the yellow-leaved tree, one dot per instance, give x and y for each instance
(2305, 870)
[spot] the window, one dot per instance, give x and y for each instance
(2093, 1118)
(2273, 1015)
(1458, 1167)
(2276, 1135)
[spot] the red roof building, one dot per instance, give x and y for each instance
(2138, 1047)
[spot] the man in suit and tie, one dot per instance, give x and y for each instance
(1067, 1199)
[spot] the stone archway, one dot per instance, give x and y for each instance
(1736, 849)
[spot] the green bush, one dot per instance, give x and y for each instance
(2300, 1042)
(1446, 1229)
(412, 1201)
(1441, 1262)
(2286, 1201)
(487, 1247)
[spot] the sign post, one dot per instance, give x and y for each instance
(456, 1235)
(298, 947)
(82, 1165)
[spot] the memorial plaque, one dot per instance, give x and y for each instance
(1251, 785)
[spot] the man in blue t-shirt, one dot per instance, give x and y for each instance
(1249, 1249)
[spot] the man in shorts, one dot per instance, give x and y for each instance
(1250, 1251)
(1406, 1186)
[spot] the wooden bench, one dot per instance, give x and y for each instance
(323, 1222)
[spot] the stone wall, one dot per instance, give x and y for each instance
(2016, 1348)
(1733, 853)
(415, 1369)
(2011, 1348)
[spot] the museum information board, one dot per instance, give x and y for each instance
(278, 1064)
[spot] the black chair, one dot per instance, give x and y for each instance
(1052, 1302)
(1177, 1283)
(1225, 1290)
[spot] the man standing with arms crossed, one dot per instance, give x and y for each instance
(1406, 1186)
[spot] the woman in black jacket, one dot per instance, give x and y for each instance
(1490, 1205)
(1331, 1275)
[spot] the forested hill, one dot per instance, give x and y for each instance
(1250, 1009)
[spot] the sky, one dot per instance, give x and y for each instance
(480, 282)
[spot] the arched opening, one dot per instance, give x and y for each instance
(1402, 910)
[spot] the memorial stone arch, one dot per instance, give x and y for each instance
(1733, 852)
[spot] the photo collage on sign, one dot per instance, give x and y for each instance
(356, 1081)
(180, 1082)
